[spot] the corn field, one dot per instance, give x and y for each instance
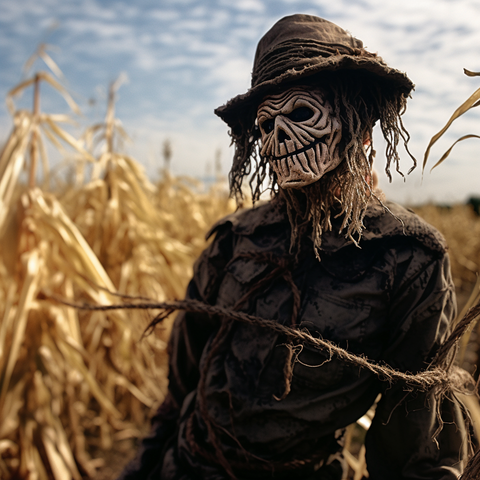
(75, 383)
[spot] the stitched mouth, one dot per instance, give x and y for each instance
(297, 152)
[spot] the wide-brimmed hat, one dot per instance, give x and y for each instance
(298, 47)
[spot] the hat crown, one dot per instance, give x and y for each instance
(301, 46)
(295, 39)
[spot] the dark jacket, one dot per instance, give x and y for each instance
(233, 400)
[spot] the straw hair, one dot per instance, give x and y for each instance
(359, 102)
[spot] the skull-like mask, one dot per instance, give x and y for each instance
(300, 135)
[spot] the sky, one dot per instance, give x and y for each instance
(184, 58)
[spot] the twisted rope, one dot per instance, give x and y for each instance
(435, 375)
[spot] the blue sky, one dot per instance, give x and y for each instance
(183, 58)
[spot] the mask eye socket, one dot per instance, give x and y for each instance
(268, 125)
(300, 114)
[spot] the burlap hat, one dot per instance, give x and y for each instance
(299, 47)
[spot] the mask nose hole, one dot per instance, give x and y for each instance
(282, 137)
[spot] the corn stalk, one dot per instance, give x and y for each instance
(64, 378)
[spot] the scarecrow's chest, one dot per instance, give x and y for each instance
(344, 299)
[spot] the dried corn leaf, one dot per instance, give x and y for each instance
(41, 52)
(471, 102)
(11, 164)
(66, 137)
(470, 73)
(447, 153)
(18, 324)
(46, 77)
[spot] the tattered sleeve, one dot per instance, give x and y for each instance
(189, 334)
(192, 330)
(399, 442)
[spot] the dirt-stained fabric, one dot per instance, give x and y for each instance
(232, 397)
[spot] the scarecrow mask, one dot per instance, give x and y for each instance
(300, 136)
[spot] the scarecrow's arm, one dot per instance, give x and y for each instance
(399, 442)
(189, 335)
(191, 331)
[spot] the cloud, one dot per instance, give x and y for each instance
(254, 6)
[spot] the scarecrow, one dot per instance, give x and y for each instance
(327, 257)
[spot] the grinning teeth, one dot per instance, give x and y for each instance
(283, 167)
(278, 168)
(317, 157)
(291, 165)
(282, 150)
(324, 155)
(274, 164)
(303, 160)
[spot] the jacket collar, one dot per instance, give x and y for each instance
(381, 221)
